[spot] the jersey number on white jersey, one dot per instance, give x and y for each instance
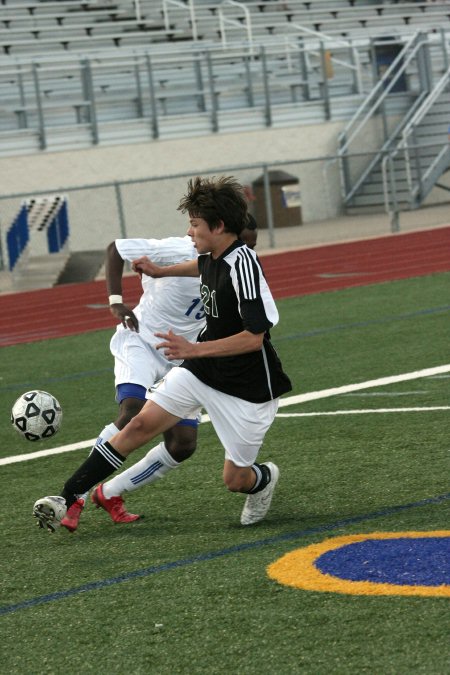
(193, 307)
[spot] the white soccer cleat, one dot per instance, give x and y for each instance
(50, 511)
(256, 506)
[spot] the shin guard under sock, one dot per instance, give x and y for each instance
(100, 464)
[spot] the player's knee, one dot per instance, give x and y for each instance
(181, 442)
(181, 450)
(138, 425)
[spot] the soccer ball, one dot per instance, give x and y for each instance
(36, 415)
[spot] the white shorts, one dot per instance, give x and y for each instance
(136, 361)
(240, 425)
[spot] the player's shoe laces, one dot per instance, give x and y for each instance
(114, 506)
(257, 505)
(72, 517)
(49, 512)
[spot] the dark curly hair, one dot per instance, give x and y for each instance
(215, 200)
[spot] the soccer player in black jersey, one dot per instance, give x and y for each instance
(232, 371)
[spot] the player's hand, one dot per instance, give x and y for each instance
(175, 347)
(145, 266)
(126, 316)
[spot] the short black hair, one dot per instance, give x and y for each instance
(215, 200)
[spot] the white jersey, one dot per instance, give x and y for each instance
(168, 303)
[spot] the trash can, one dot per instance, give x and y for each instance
(385, 55)
(285, 196)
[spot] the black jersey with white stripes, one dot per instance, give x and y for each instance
(236, 297)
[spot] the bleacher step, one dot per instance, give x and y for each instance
(39, 272)
(81, 266)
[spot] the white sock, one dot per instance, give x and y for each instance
(108, 432)
(156, 463)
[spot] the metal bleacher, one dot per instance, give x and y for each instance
(80, 73)
(75, 73)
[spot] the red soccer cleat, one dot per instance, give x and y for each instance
(72, 517)
(114, 506)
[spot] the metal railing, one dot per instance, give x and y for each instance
(332, 42)
(408, 139)
(185, 6)
(370, 106)
(86, 93)
(225, 20)
(394, 196)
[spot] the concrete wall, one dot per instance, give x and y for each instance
(150, 207)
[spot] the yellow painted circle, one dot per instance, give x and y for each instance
(298, 569)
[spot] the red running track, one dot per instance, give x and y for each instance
(77, 308)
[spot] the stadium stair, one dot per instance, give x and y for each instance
(81, 266)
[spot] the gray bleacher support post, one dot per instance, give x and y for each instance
(23, 119)
(384, 120)
(84, 93)
(153, 108)
(427, 63)
(214, 106)
(417, 163)
(40, 110)
(91, 98)
(373, 62)
(199, 82)
(344, 167)
(326, 88)
(265, 74)
(445, 55)
(304, 69)
(376, 78)
(268, 204)
(139, 103)
(248, 77)
(122, 224)
(353, 61)
(394, 212)
(423, 68)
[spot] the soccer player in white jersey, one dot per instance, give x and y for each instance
(169, 303)
(232, 371)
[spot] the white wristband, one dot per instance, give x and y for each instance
(115, 300)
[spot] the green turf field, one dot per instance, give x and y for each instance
(185, 590)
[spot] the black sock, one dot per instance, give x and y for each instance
(263, 477)
(100, 464)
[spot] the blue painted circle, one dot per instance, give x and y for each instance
(421, 561)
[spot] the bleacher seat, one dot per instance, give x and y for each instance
(92, 67)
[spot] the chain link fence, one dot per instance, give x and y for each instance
(280, 195)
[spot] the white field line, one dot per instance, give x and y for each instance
(368, 411)
(380, 382)
(291, 400)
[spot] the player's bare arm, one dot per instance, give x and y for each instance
(114, 272)
(144, 265)
(177, 347)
